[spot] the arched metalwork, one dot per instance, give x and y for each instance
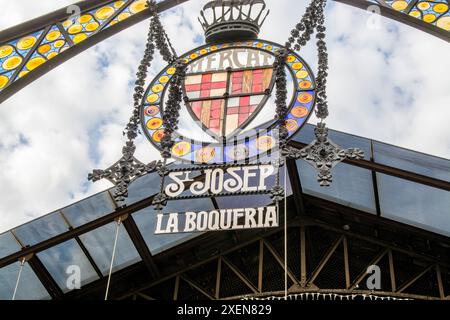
(32, 49)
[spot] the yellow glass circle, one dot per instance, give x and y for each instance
(444, 23)
(290, 59)
(291, 125)
(429, 17)
(415, 14)
(104, 13)
(34, 63)
(305, 84)
(113, 22)
(79, 37)
(85, 18)
(193, 56)
(118, 4)
(44, 48)
(67, 23)
(3, 81)
(259, 45)
(59, 43)
(53, 35)
(440, 7)
(5, 51)
(213, 48)
(269, 47)
(92, 26)
(154, 123)
(399, 5)
(171, 70)
(300, 112)
(152, 98)
(157, 88)
(203, 51)
(423, 5)
(123, 16)
(23, 73)
(301, 74)
(297, 66)
(75, 28)
(138, 6)
(26, 42)
(158, 135)
(11, 63)
(51, 55)
(304, 97)
(181, 148)
(164, 79)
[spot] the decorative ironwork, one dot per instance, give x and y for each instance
(124, 171)
(128, 168)
(323, 154)
(227, 26)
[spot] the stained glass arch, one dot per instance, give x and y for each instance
(30, 50)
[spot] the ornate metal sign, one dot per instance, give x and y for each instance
(225, 107)
(227, 94)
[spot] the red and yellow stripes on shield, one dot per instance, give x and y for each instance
(223, 114)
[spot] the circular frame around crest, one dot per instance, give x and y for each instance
(241, 147)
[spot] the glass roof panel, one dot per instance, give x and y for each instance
(415, 204)
(58, 258)
(41, 229)
(146, 219)
(30, 288)
(344, 140)
(89, 209)
(100, 242)
(143, 187)
(352, 186)
(8, 245)
(412, 161)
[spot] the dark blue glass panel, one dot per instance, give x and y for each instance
(59, 258)
(89, 209)
(8, 245)
(352, 186)
(415, 204)
(41, 229)
(99, 243)
(412, 161)
(29, 288)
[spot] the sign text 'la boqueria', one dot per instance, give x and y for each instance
(217, 220)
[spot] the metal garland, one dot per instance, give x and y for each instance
(323, 154)
(128, 168)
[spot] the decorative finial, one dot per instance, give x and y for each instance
(232, 19)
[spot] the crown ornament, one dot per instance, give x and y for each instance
(226, 20)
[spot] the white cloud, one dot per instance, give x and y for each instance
(387, 84)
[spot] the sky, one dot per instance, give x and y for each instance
(387, 82)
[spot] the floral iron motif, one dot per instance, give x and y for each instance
(124, 171)
(323, 154)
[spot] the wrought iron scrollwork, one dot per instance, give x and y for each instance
(323, 154)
